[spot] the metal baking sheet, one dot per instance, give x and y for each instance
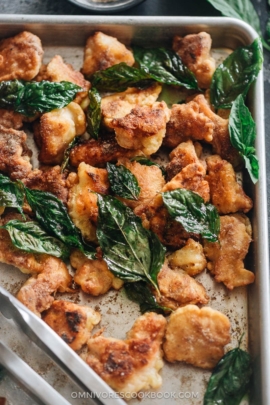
(247, 308)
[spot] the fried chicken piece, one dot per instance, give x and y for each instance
(226, 257)
(14, 154)
(130, 365)
(190, 258)
(72, 322)
(143, 128)
(36, 293)
(184, 154)
(56, 130)
(82, 199)
(226, 194)
(150, 180)
(120, 104)
(11, 119)
(57, 70)
(194, 50)
(177, 288)
(93, 276)
(196, 336)
(20, 57)
(103, 51)
(50, 180)
(99, 152)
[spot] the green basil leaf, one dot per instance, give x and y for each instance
(230, 379)
(123, 183)
(126, 245)
(94, 113)
(147, 162)
(11, 194)
(235, 75)
(9, 91)
(30, 237)
(141, 293)
(242, 129)
(189, 209)
(74, 142)
(165, 66)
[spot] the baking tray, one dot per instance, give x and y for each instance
(247, 308)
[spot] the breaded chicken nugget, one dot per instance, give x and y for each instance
(184, 154)
(11, 119)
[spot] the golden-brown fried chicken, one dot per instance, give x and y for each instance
(93, 276)
(14, 154)
(11, 119)
(36, 293)
(50, 180)
(226, 257)
(20, 57)
(103, 51)
(226, 194)
(57, 70)
(130, 365)
(194, 50)
(150, 180)
(99, 152)
(82, 200)
(120, 104)
(56, 130)
(190, 258)
(143, 128)
(196, 336)
(184, 154)
(72, 322)
(177, 289)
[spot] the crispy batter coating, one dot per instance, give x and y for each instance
(99, 152)
(194, 50)
(196, 336)
(57, 70)
(14, 154)
(36, 293)
(93, 276)
(82, 200)
(226, 194)
(72, 322)
(184, 154)
(226, 257)
(150, 180)
(190, 258)
(103, 51)
(20, 57)
(120, 104)
(130, 365)
(11, 119)
(50, 180)
(143, 128)
(56, 130)
(178, 288)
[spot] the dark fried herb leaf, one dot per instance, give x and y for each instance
(147, 162)
(165, 66)
(230, 379)
(123, 183)
(235, 75)
(9, 91)
(189, 209)
(70, 146)
(11, 194)
(141, 293)
(130, 251)
(242, 130)
(30, 237)
(94, 113)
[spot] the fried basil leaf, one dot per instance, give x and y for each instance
(131, 252)
(141, 293)
(29, 98)
(165, 66)
(147, 162)
(242, 130)
(123, 183)
(30, 237)
(94, 113)
(230, 379)
(189, 209)
(70, 146)
(235, 75)
(11, 194)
